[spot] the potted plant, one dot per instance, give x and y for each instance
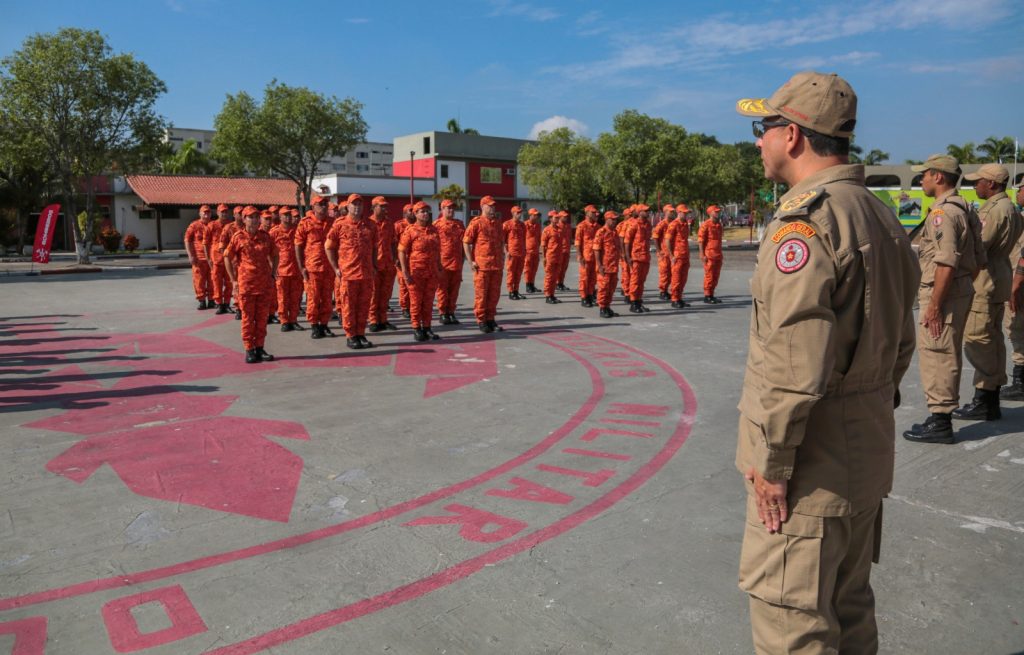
(131, 242)
(110, 238)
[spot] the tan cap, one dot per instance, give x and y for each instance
(944, 163)
(995, 172)
(823, 102)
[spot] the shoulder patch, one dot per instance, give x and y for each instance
(792, 256)
(799, 201)
(800, 228)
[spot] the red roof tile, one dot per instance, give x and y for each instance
(200, 190)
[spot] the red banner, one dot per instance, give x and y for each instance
(44, 234)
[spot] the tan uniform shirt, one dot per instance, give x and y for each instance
(1001, 227)
(951, 236)
(832, 333)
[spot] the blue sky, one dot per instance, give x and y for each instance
(927, 72)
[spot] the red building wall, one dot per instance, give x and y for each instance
(421, 168)
(477, 189)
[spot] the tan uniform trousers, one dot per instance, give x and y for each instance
(941, 360)
(809, 585)
(985, 346)
(1014, 324)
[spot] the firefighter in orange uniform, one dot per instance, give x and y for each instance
(387, 249)
(551, 244)
(627, 220)
(484, 245)
(533, 230)
(677, 245)
(289, 280)
(228, 231)
(664, 261)
(250, 259)
(408, 218)
(419, 254)
(195, 246)
(316, 272)
(607, 251)
(709, 239)
(565, 232)
(515, 247)
(352, 252)
(450, 232)
(636, 242)
(215, 255)
(585, 232)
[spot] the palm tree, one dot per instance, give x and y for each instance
(455, 128)
(997, 150)
(875, 157)
(855, 152)
(452, 192)
(964, 154)
(188, 160)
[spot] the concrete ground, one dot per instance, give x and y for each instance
(564, 487)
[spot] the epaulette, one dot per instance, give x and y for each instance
(800, 205)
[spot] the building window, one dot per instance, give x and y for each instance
(362, 168)
(426, 145)
(444, 171)
(338, 168)
(362, 155)
(490, 175)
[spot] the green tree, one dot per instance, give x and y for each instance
(964, 154)
(452, 192)
(855, 152)
(455, 128)
(289, 133)
(563, 168)
(641, 154)
(996, 150)
(91, 109)
(875, 157)
(188, 160)
(25, 179)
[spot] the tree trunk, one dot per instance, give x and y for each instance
(21, 220)
(71, 213)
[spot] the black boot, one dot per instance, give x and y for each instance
(366, 342)
(375, 327)
(406, 314)
(202, 305)
(286, 327)
(444, 319)
(264, 355)
(677, 304)
(430, 333)
(484, 327)
(495, 327)
(605, 312)
(223, 309)
(419, 334)
(1016, 389)
(634, 307)
(550, 300)
(238, 314)
(664, 295)
(511, 295)
(454, 321)
(937, 428)
(296, 326)
(354, 343)
(252, 357)
(325, 331)
(318, 332)
(388, 325)
(984, 407)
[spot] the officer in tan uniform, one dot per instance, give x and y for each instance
(1014, 322)
(952, 254)
(831, 335)
(984, 344)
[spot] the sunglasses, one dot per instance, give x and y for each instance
(760, 127)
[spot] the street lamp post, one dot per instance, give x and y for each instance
(412, 153)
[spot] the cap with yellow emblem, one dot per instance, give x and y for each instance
(939, 162)
(822, 102)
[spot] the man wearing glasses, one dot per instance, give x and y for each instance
(816, 433)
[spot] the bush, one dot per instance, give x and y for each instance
(131, 242)
(111, 239)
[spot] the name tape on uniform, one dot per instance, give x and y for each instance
(800, 228)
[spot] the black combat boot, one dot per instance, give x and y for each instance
(634, 307)
(1016, 389)
(430, 333)
(366, 342)
(551, 300)
(318, 332)
(419, 334)
(286, 327)
(984, 407)
(664, 295)
(264, 355)
(937, 428)
(223, 309)
(375, 327)
(252, 357)
(354, 343)
(495, 327)
(325, 331)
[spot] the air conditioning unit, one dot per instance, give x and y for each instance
(474, 212)
(510, 171)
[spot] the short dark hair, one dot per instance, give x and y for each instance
(827, 146)
(949, 178)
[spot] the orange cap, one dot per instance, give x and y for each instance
(318, 200)
(642, 207)
(250, 211)
(283, 210)
(294, 212)
(447, 202)
(487, 200)
(407, 207)
(310, 214)
(681, 207)
(552, 213)
(563, 214)
(714, 208)
(266, 213)
(204, 208)
(533, 212)
(223, 208)
(354, 197)
(668, 208)
(237, 210)
(516, 209)
(420, 205)
(590, 208)
(379, 200)
(610, 214)
(272, 208)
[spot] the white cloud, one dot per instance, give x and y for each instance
(555, 122)
(854, 58)
(523, 10)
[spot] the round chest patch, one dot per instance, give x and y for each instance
(792, 256)
(937, 221)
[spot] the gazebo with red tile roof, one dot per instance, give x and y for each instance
(195, 190)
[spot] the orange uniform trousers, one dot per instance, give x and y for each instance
(588, 277)
(319, 288)
(624, 276)
(680, 271)
(423, 287)
(564, 263)
(552, 265)
(356, 298)
(712, 269)
(256, 307)
(289, 297)
(530, 267)
(448, 284)
(487, 291)
(637, 278)
(664, 272)
(201, 283)
(383, 287)
(514, 270)
(221, 282)
(607, 288)
(403, 291)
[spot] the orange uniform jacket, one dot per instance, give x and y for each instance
(213, 231)
(387, 240)
(284, 239)
(607, 242)
(355, 242)
(515, 237)
(565, 232)
(585, 232)
(677, 238)
(251, 255)
(533, 236)
(311, 234)
(551, 242)
(195, 234)
(450, 232)
(227, 232)
(488, 240)
(422, 245)
(638, 235)
(658, 234)
(710, 235)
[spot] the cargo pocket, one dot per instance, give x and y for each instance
(782, 568)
